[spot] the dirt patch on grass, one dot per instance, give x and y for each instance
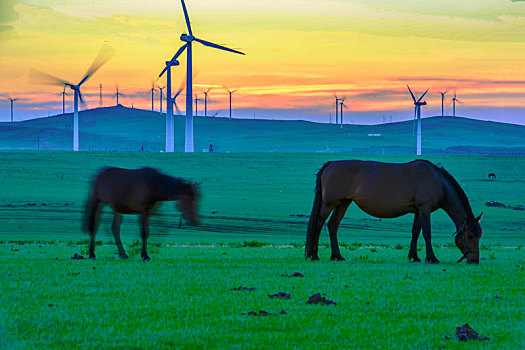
(318, 299)
(280, 295)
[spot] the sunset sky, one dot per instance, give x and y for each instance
(299, 54)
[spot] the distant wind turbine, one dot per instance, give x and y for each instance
(152, 95)
(231, 92)
(64, 94)
(442, 103)
(189, 39)
(117, 94)
(161, 89)
(100, 97)
(103, 56)
(206, 101)
(342, 104)
(336, 109)
(418, 105)
(12, 100)
(197, 99)
(454, 100)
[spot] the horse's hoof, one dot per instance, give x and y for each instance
(92, 257)
(315, 258)
(337, 258)
(432, 261)
(146, 259)
(416, 259)
(124, 257)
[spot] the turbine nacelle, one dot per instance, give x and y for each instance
(187, 38)
(424, 103)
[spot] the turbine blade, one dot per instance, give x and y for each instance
(187, 17)
(422, 96)
(174, 58)
(105, 53)
(411, 93)
(80, 97)
(39, 77)
(220, 47)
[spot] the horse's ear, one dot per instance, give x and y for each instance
(479, 217)
(197, 185)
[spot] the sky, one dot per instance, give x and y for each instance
(299, 55)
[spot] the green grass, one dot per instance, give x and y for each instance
(250, 236)
(183, 298)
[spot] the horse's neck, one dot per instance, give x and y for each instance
(169, 188)
(454, 206)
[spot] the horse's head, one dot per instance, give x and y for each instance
(467, 240)
(187, 202)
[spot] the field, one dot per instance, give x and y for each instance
(252, 233)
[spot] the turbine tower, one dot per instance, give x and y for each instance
(103, 56)
(170, 125)
(189, 39)
(418, 105)
(231, 92)
(100, 97)
(442, 103)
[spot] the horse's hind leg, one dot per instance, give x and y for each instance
(312, 242)
(425, 221)
(416, 229)
(144, 227)
(115, 228)
(333, 226)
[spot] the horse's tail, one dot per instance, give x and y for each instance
(89, 224)
(314, 216)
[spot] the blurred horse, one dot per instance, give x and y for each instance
(136, 191)
(389, 190)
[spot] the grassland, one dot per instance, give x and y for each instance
(184, 297)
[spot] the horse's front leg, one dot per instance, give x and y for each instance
(333, 226)
(425, 221)
(416, 229)
(144, 227)
(115, 228)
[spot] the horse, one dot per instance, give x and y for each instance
(390, 190)
(136, 191)
(492, 176)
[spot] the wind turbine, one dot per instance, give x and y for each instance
(442, 103)
(197, 99)
(336, 109)
(161, 89)
(12, 100)
(189, 39)
(206, 101)
(342, 104)
(117, 94)
(64, 94)
(418, 105)
(100, 104)
(231, 92)
(103, 56)
(454, 100)
(152, 94)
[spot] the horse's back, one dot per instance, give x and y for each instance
(382, 189)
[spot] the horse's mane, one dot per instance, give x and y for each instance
(461, 194)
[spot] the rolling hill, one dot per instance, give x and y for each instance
(127, 129)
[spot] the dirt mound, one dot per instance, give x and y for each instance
(318, 299)
(265, 313)
(244, 288)
(295, 274)
(280, 295)
(77, 257)
(466, 333)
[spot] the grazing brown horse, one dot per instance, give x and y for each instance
(136, 191)
(389, 190)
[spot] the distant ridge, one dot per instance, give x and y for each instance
(119, 128)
